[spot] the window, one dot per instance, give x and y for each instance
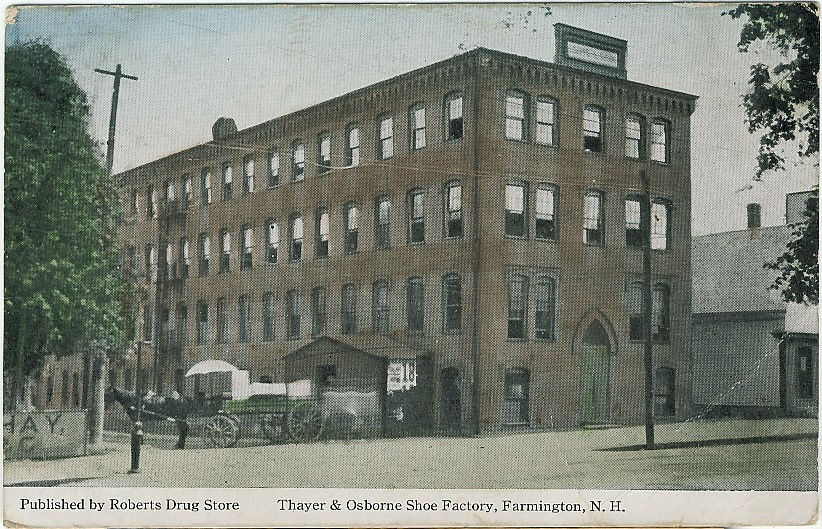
(318, 311)
(243, 319)
(804, 372)
(383, 222)
(544, 316)
(248, 174)
(296, 237)
(182, 319)
(228, 181)
(171, 194)
(225, 251)
(546, 121)
(380, 302)
(634, 137)
(135, 201)
(205, 253)
(322, 232)
(661, 310)
(517, 304)
(188, 194)
(635, 305)
(352, 146)
(272, 241)
(268, 316)
(151, 263)
(323, 152)
(205, 187)
(659, 224)
(664, 392)
(152, 202)
(546, 213)
(247, 233)
(592, 128)
(292, 302)
(659, 141)
(515, 123)
(453, 116)
(202, 323)
(515, 210)
(452, 303)
(633, 222)
(515, 407)
(351, 218)
(385, 146)
(297, 161)
(168, 260)
(222, 320)
(273, 169)
(416, 124)
(414, 305)
(348, 309)
(453, 207)
(594, 232)
(416, 216)
(185, 258)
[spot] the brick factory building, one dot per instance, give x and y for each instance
(472, 226)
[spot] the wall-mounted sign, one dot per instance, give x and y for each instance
(593, 55)
(44, 434)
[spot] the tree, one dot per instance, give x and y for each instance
(62, 282)
(783, 101)
(799, 266)
(783, 105)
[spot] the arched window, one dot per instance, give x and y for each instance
(385, 137)
(272, 241)
(296, 237)
(453, 210)
(351, 217)
(322, 232)
(452, 303)
(517, 306)
(382, 222)
(635, 136)
(348, 309)
(297, 161)
(545, 308)
(593, 225)
(416, 126)
(292, 304)
(380, 306)
(318, 311)
(516, 115)
(324, 152)
(661, 313)
(453, 116)
(352, 145)
(547, 112)
(593, 126)
(416, 216)
(274, 169)
(660, 140)
(660, 230)
(225, 250)
(414, 304)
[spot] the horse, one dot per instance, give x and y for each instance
(155, 408)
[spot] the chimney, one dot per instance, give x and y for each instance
(754, 219)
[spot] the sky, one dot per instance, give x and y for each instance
(252, 63)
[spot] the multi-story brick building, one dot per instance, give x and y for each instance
(480, 212)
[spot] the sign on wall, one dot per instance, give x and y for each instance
(44, 434)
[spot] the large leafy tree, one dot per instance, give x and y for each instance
(62, 281)
(782, 105)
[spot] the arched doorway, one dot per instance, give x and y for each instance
(595, 361)
(451, 405)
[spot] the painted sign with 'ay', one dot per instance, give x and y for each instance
(44, 434)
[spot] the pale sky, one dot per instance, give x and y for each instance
(253, 63)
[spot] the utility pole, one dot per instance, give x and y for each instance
(112, 123)
(99, 361)
(647, 335)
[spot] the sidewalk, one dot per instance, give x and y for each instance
(776, 454)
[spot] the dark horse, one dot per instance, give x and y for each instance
(155, 408)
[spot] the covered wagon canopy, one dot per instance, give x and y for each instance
(210, 366)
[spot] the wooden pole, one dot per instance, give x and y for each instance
(647, 335)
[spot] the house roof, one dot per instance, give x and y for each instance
(728, 273)
(374, 345)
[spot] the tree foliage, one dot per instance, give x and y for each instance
(783, 105)
(783, 100)
(62, 281)
(799, 266)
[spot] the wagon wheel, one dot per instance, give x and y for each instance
(223, 431)
(273, 426)
(305, 422)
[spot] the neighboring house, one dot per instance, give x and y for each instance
(480, 213)
(753, 353)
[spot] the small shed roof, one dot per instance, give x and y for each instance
(374, 345)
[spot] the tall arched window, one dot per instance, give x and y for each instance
(297, 161)
(593, 126)
(660, 140)
(516, 115)
(352, 145)
(547, 121)
(453, 116)
(453, 209)
(296, 237)
(517, 306)
(452, 303)
(416, 126)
